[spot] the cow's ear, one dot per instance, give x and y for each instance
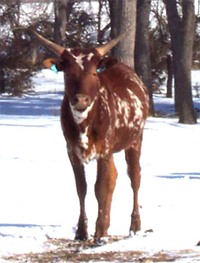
(53, 64)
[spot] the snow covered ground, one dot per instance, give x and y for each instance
(38, 199)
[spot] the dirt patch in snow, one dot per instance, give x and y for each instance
(65, 250)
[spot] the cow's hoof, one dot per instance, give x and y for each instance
(81, 235)
(135, 224)
(135, 229)
(101, 241)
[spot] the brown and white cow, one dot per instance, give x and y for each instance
(103, 111)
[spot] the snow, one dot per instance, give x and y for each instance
(38, 198)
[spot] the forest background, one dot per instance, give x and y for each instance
(162, 45)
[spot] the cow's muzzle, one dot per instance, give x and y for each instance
(81, 102)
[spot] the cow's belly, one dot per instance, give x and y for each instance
(127, 137)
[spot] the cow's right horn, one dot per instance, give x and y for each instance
(104, 49)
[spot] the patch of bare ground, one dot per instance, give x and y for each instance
(65, 250)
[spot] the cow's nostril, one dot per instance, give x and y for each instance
(86, 99)
(82, 101)
(75, 100)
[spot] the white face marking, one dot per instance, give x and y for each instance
(80, 116)
(90, 56)
(79, 60)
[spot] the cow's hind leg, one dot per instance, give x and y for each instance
(132, 158)
(81, 185)
(104, 187)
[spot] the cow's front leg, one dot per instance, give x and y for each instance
(81, 186)
(104, 187)
(132, 158)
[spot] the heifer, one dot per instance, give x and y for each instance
(103, 111)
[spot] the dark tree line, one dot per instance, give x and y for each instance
(17, 51)
(145, 49)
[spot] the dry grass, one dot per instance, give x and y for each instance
(65, 250)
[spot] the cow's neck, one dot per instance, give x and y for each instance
(93, 129)
(86, 126)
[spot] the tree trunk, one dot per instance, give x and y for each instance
(187, 112)
(2, 81)
(175, 29)
(182, 37)
(60, 7)
(99, 39)
(123, 17)
(142, 47)
(169, 76)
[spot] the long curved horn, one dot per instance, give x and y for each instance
(58, 50)
(104, 49)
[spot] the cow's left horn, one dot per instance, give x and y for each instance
(58, 50)
(104, 49)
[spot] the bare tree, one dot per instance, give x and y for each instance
(16, 63)
(159, 43)
(103, 5)
(123, 17)
(170, 75)
(60, 9)
(142, 47)
(182, 30)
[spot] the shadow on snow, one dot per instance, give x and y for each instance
(32, 104)
(180, 176)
